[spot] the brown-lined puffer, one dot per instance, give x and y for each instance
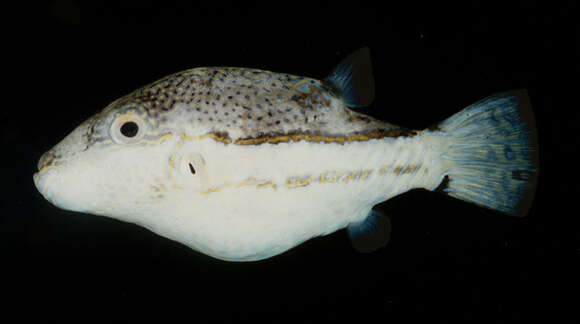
(243, 164)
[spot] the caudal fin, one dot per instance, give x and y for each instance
(490, 153)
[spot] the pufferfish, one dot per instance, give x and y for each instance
(243, 164)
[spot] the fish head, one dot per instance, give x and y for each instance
(114, 164)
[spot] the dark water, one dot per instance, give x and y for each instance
(448, 261)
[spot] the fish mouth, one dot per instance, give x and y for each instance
(39, 164)
(43, 181)
(36, 175)
(38, 183)
(45, 160)
(39, 177)
(35, 179)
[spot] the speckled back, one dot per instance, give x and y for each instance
(245, 104)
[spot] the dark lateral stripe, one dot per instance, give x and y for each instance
(316, 138)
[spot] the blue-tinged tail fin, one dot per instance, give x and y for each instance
(490, 153)
(352, 80)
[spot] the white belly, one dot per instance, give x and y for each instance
(259, 201)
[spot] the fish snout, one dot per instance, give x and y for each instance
(45, 163)
(45, 160)
(73, 144)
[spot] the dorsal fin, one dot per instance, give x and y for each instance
(352, 80)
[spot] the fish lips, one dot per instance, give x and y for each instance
(55, 177)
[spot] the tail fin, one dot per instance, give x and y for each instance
(490, 153)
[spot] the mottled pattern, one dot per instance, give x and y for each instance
(242, 105)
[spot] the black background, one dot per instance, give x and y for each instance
(447, 261)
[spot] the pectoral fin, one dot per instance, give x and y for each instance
(371, 233)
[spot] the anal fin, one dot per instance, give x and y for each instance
(371, 233)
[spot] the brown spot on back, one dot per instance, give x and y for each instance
(307, 100)
(220, 137)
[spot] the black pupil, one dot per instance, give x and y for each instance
(129, 129)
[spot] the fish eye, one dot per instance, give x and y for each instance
(127, 129)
